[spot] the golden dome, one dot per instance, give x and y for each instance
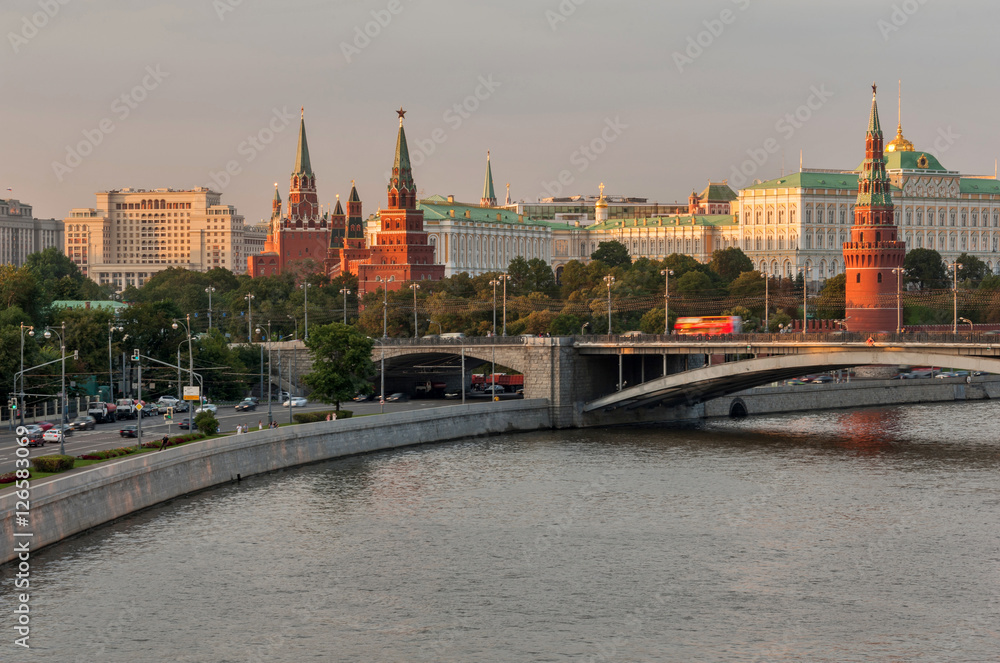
(899, 144)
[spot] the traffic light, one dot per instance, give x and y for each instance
(135, 355)
(12, 404)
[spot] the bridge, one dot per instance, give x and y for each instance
(614, 379)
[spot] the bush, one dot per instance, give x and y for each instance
(312, 417)
(108, 453)
(53, 463)
(207, 423)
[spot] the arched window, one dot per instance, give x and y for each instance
(858, 278)
(879, 278)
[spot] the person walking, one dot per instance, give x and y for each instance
(260, 424)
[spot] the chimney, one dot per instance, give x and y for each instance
(451, 199)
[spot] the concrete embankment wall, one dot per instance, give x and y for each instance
(67, 505)
(859, 393)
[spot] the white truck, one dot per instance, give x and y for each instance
(102, 412)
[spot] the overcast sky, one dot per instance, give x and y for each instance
(662, 96)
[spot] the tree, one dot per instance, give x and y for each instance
(694, 283)
(612, 253)
(925, 269)
(829, 304)
(342, 363)
(749, 285)
(730, 263)
(973, 269)
(206, 423)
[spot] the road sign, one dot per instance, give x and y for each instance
(192, 393)
(138, 406)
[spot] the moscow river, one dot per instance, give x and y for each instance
(864, 535)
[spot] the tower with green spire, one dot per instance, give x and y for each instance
(303, 204)
(874, 250)
(489, 198)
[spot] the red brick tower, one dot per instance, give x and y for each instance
(874, 250)
(402, 251)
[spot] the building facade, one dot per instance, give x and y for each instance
(131, 234)
(21, 234)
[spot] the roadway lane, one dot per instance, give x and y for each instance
(106, 436)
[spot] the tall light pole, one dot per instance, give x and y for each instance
(295, 321)
(435, 322)
(898, 271)
(261, 331)
(805, 291)
(767, 302)
(49, 331)
(414, 287)
(210, 289)
(111, 377)
(187, 328)
(385, 302)
(955, 266)
(609, 281)
(305, 288)
(968, 322)
(667, 273)
(345, 292)
(505, 278)
(493, 360)
(249, 297)
(30, 330)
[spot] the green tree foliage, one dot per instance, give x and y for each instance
(925, 269)
(777, 321)
(225, 375)
(612, 253)
(529, 276)
(342, 363)
(206, 423)
(730, 263)
(652, 321)
(829, 304)
(19, 287)
(59, 278)
(694, 283)
(973, 270)
(748, 284)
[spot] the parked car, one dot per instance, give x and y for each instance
(129, 431)
(295, 401)
(398, 397)
(207, 407)
(83, 423)
(246, 405)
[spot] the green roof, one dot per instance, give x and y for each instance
(911, 161)
(810, 180)
(715, 192)
(488, 184)
(436, 208)
(977, 185)
(716, 220)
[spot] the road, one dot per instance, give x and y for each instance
(106, 436)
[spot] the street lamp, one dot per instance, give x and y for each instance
(414, 287)
(955, 266)
(493, 359)
(261, 331)
(187, 327)
(505, 278)
(966, 320)
(435, 322)
(249, 297)
(805, 291)
(345, 292)
(767, 302)
(49, 331)
(610, 281)
(31, 332)
(667, 273)
(385, 302)
(305, 288)
(210, 289)
(111, 376)
(295, 321)
(898, 271)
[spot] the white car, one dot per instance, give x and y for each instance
(207, 407)
(295, 401)
(169, 401)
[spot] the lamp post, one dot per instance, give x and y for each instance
(435, 322)
(295, 330)
(210, 289)
(260, 331)
(385, 302)
(31, 332)
(805, 291)
(49, 331)
(111, 377)
(767, 302)
(505, 278)
(666, 273)
(955, 266)
(345, 292)
(414, 287)
(967, 321)
(187, 328)
(249, 297)
(898, 271)
(609, 281)
(305, 288)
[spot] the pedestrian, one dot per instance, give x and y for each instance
(163, 442)
(239, 429)
(260, 424)
(333, 417)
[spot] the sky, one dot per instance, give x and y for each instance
(652, 99)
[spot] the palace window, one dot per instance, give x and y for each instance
(809, 214)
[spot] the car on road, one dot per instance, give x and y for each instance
(822, 379)
(45, 425)
(796, 382)
(246, 405)
(168, 401)
(181, 407)
(83, 423)
(35, 436)
(398, 397)
(55, 433)
(207, 407)
(129, 431)
(361, 398)
(493, 389)
(295, 401)
(945, 374)
(184, 424)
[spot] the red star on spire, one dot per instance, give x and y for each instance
(401, 113)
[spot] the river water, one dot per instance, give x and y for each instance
(866, 535)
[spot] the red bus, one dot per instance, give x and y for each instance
(709, 325)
